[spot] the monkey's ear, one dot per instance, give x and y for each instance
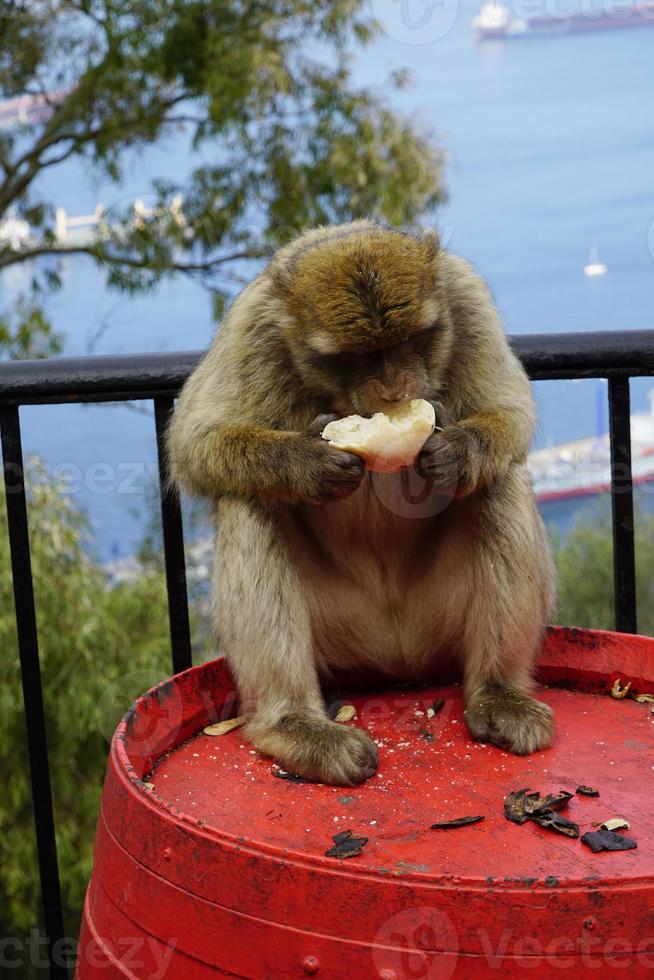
(431, 243)
(281, 277)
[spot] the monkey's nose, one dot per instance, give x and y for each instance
(395, 387)
(390, 393)
(394, 396)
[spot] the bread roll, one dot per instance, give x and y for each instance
(388, 441)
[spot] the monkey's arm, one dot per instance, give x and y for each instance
(240, 424)
(488, 396)
(486, 445)
(248, 460)
(474, 452)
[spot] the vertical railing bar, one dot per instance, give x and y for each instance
(622, 502)
(30, 670)
(173, 542)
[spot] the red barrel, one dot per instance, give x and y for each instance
(207, 865)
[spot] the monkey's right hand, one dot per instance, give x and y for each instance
(326, 473)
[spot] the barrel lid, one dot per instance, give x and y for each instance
(430, 770)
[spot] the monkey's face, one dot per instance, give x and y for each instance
(370, 381)
(365, 318)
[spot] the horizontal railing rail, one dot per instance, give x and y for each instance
(93, 379)
(545, 356)
(614, 355)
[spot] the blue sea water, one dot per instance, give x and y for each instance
(550, 147)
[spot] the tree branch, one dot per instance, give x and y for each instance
(10, 192)
(11, 258)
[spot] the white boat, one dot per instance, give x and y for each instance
(493, 20)
(594, 268)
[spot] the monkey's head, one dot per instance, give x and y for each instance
(365, 321)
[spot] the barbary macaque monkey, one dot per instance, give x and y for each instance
(321, 565)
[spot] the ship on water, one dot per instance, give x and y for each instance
(496, 21)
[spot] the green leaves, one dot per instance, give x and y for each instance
(24, 33)
(101, 646)
(584, 561)
(263, 89)
(25, 331)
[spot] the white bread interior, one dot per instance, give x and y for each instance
(388, 441)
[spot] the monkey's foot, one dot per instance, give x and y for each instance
(510, 719)
(318, 749)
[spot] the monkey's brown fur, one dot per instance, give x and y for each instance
(349, 319)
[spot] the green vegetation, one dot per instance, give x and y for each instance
(282, 138)
(585, 566)
(101, 645)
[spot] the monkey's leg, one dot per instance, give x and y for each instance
(510, 599)
(265, 631)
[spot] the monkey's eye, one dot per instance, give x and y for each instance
(344, 361)
(421, 340)
(396, 308)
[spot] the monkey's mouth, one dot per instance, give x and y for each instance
(383, 407)
(367, 404)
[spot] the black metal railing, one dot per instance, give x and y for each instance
(616, 356)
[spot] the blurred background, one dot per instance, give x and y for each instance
(153, 154)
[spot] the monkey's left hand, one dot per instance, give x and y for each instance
(451, 460)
